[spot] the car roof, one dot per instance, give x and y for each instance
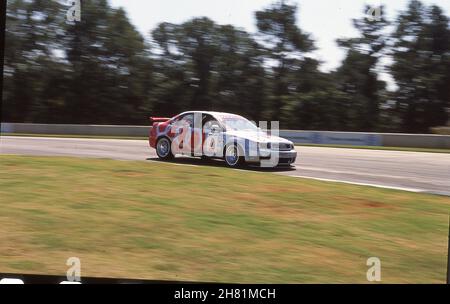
(213, 113)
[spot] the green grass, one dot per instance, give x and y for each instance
(307, 145)
(161, 221)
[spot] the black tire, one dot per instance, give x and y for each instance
(163, 149)
(237, 160)
(205, 158)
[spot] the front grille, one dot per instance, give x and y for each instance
(276, 146)
(285, 161)
(284, 147)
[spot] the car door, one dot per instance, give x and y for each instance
(181, 133)
(212, 137)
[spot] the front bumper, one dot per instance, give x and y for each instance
(273, 158)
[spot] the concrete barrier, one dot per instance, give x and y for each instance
(333, 138)
(68, 129)
(307, 137)
(416, 140)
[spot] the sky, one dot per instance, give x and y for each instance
(324, 20)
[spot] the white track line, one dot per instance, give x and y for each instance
(351, 172)
(418, 190)
(415, 190)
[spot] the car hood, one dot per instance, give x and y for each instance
(261, 137)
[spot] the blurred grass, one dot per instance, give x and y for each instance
(163, 221)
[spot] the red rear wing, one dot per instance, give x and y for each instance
(158, 119)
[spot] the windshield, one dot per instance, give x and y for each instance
(238, 123)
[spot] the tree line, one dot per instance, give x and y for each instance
(103, 71)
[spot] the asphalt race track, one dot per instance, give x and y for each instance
(412, 171)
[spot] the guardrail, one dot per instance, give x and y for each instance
(68, 129)
(369, 139)
(297, 136)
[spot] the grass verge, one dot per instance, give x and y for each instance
(161, 221)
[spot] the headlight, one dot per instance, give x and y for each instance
(265, 146)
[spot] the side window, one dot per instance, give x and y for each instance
(186, 119)
(208, 121)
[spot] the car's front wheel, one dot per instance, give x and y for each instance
(233, 156)
(163, 149)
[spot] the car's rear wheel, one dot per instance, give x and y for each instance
(163, 149)
(233, 156)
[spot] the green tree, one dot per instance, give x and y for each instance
(94, 71)
(102, 70)
(316, 102)
(203, 65)
(239, 77)
(172, 92)
(31, 36)
(286, 46)
(421, 67)
(110, 73)
(357, 77)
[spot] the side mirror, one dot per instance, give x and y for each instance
(215, 128)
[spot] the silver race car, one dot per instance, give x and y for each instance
(219, 135)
